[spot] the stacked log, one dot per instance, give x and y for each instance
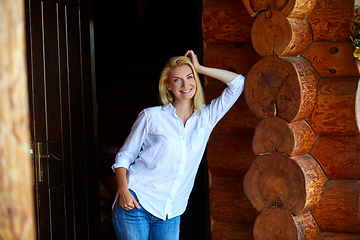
(304, 181)
(226, 29)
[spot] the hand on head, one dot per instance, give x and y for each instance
(194, 59)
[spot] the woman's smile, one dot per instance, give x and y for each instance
(186, 91)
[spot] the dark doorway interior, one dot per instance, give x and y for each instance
(133, 41)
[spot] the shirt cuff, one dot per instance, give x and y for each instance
(118, 163)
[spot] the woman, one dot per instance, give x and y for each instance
(156, 167)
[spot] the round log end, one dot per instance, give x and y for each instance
(277, 223)
(273, 135)
(284, 87)
(271, 33)
(255, 7)
(275, 180)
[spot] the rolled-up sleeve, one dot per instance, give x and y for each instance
(221, 105)
(132, 146)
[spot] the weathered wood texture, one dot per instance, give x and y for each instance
(275, 135)
(228, 202)
(338, 210)
(225, 21)
(273, 33)
(229, 156)
(331, 19)
(16, 194)
(339, 156)
(277, 223)
(338, 236)
(281, 86)
(238, 120)
(235, 57)
(332, 59)
(289, 8)
(337, 107)
(231, 231)
(277, 180)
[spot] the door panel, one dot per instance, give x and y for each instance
(60, 109)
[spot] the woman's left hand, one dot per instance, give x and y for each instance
(224, 76)
(194, 59)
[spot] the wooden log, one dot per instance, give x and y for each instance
(275, 135)
(17, 220)
(277, 180)
(331, 19)
(338, 236)
(332, 59)
(292, 8)
(281, 86)
(229, 156)
(339, 156)
(239, 120)
(273, 33)
(235, 57)
(337, 109)
(228, 202)
(231, 231)
(277, 223)
(225, 21)
(338, 210)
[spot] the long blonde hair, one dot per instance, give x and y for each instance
(166, 96)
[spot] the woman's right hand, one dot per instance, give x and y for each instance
(127, 200)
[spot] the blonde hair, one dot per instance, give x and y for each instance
(166, 96)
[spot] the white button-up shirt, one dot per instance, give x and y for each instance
(162, 155)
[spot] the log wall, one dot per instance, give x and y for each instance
(304, 180)
(226, 29)
(16, 198)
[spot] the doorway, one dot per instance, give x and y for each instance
(133, 41)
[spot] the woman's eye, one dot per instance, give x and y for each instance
(190, 77)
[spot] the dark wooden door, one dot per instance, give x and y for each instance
(62, 104)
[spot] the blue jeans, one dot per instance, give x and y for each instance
(139, 224)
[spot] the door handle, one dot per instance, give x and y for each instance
(39, 156)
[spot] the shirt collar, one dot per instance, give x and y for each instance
(170, 106)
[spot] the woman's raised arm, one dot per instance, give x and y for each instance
(220, 74)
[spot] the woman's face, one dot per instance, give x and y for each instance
(181, 83)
